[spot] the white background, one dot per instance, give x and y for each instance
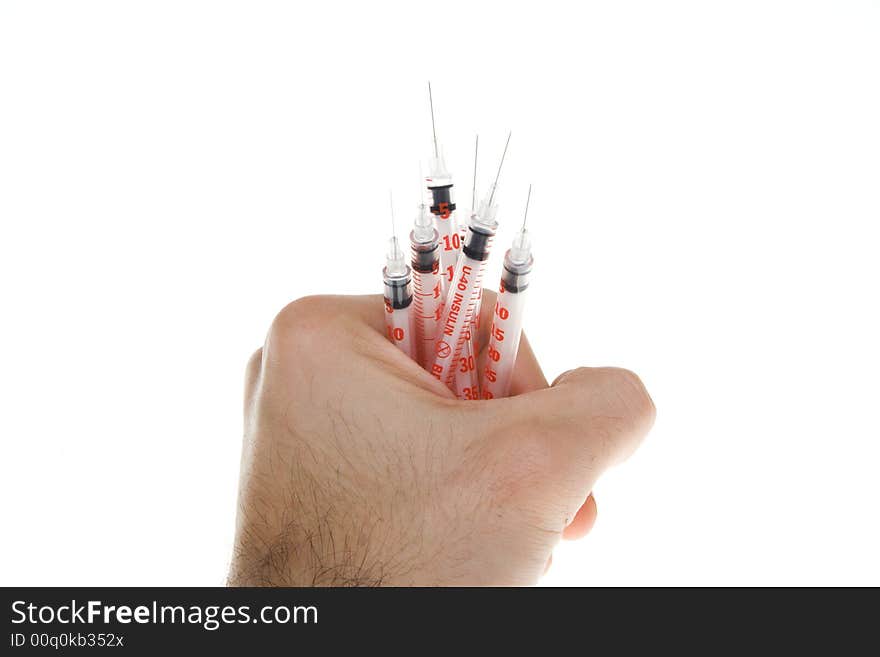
(705, 212)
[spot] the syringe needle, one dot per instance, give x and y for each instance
(500, 164)
(526, 213)
(391, 203)
(433, 127)
(474, 188)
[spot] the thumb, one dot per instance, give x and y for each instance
(588, 420)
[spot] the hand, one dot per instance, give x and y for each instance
(360, 468)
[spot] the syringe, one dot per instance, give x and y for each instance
(507, 318)
(439, 183)
(466, 384)
(398, 296)
(466, 373)
(464, 291)
(427, 287)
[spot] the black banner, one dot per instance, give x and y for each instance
(178, 621)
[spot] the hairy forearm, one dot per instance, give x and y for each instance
(319, 535)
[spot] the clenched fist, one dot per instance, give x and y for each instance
(359, 468)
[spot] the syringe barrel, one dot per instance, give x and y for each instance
(427, 296)
(399, 311)
(504, 334)
(461, 302)
(467, 380)
(399, 324)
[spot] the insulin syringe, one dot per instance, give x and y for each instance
(439, 183)
(507, 317)
(427, 286)
(398, 296)
(466, 375)
(464, 291)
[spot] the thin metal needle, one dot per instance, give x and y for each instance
(526, 213)
(474, 188)
(391, 203)
(433, 127)
(500, 164)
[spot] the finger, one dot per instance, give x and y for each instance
(583, 521)
(527, 373)
(570, 433)
(487, 307)
(368, 310)
(306, 325)
(601, 414)
(365, 309)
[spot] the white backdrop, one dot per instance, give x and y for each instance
(705, 212)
